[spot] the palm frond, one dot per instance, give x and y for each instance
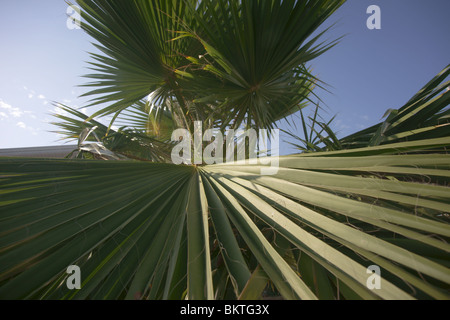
(425, 115)
(258, 51)
(128, 142)
(254, 75)
(144, 230)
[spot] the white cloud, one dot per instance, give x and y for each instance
(30, 114)
(341, 125)
(12, 111)
(32, 130)
(32, 94)
(16, 113)
(9, 112)
(21, 125)
(4, 105)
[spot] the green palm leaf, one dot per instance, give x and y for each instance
(253, 74)
(425, 115)
(144, 230)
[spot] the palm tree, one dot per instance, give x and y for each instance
(144, 228)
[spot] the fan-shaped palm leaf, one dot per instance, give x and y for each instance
(240, 62)
(143, 230)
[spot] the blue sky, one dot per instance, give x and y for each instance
(369, 71)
